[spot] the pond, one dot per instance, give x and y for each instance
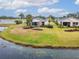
(3, 28)
(10, 50)
(2, 21)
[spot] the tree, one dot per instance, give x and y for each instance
(21, 15)
(29, 20)
(41, 17)
(49, 19)
(72, 15)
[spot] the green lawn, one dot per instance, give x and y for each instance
(53, 37)
(38, 37)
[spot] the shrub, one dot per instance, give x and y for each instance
(18, 22)
(49, 26)
(56, 22)
(61, 26)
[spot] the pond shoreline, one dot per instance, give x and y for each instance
(36, 46)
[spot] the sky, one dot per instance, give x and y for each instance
(38, 7)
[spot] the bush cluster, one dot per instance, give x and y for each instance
(49, 26)
(18, 22)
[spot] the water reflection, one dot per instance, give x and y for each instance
(7, 21)
(3, 28)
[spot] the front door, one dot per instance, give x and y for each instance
(42, 23)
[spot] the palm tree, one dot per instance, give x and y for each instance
(29, 20)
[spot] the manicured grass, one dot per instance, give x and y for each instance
(39, 38)
(52, 37)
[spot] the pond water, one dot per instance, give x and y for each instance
(3, 28)
(2, 21)
(10, 50)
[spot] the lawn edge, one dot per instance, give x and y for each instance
(36, 46)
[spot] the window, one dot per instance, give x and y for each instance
(34, 23)
(75, 23)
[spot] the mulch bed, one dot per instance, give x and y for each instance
(38, 29)
(72, 30)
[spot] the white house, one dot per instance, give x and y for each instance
(70, 22)
(39, 22)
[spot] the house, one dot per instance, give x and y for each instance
(39, 22)
(70, 22)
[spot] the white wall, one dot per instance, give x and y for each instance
(46, 22)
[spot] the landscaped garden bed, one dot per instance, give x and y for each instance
(72, 30)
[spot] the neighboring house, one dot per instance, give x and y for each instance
(39, 22)
(70, 22)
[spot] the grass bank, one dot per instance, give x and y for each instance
(53, 38)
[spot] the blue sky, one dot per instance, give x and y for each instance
(38, 7)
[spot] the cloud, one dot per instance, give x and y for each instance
(43, 2)
(17, 12)
(21, 11)
(52, 11)
(77, 2)
(14, 4)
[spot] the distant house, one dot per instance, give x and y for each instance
(39, 22)
(70, 22)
